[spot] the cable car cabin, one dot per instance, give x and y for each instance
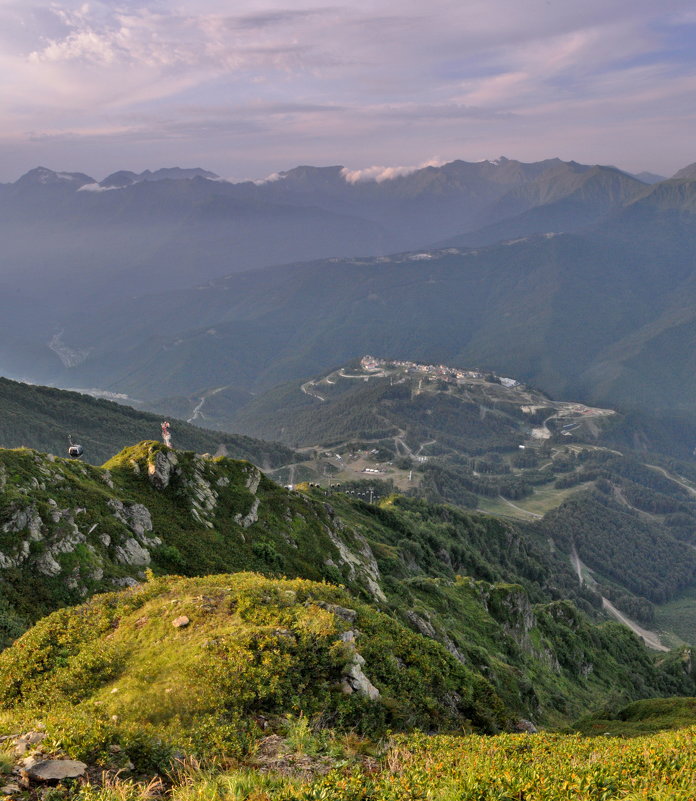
(74, 450)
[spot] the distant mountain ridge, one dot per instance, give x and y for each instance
(122, 286)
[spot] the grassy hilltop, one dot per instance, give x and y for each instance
(500, 598)
(330, 623)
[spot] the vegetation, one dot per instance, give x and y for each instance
(640, 718)
(495, 595)
(42, 417)
(248, 652)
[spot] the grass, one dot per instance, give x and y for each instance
(116, 671)
(419, 767)
(679, 616)
(641, 718)
(544, 499)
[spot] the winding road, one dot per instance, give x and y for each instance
(650, 638)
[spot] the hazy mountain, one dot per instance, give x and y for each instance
(688, 172)
(124, 178)
(568, 198)
(649, 177)
(118, 287)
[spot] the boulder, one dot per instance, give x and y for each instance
(180, 622)
(55, 770)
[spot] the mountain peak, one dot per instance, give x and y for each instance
(45, 176)
(123, 178)
(686, 173)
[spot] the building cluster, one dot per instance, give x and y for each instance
(442, 371)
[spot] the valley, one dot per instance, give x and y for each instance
(488, 527)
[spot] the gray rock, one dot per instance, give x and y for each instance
(362, 564)
(136, 516)
(27, 519)
(524, 725)
(250, 518)
(55, 770)
(132, 553)
(24, 742)
(125, 581)
(254, 479)
(47, 565)
(10, 789)
(162, 468)
(343, 612)
(180, 622)
(423, 626)
(358, 681)
(354, 679)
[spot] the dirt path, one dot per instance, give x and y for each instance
(307, 390)
(424, 445)
(650, 638)
(671, 478)
(519, 508)
(197, 409)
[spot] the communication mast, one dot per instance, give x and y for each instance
(166, 434)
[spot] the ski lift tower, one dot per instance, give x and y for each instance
(166, 434)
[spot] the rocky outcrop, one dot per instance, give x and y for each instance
(52, 771)
(354, 678)
(132, 553)
(135, 516)
(160, 470)
(361, 562)
(24, 519)
(250, 517)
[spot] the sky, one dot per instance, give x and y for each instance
(251, 87)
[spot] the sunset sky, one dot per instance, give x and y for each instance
(251, 87)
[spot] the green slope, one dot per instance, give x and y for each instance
(42, 417)
(498, 597)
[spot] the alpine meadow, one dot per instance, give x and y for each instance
(343, 458)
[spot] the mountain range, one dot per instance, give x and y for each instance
(72, 243)
(129, 297)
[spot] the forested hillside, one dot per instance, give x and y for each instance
(43, 417)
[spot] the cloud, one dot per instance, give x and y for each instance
(380, 174)
(372, 82)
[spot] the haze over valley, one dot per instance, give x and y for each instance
(342, 457)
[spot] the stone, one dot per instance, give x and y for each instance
(55, 770)
(250, 518)
(358, 681)
(47, 565)
(24, 742)
(253, 479)
(132, 553)
(125, 581)
(527, 726)
(136, 516)
(421, 625)
(161, 469)
(354, 679)
(343, 612)
(180, 622)
(10, 789)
